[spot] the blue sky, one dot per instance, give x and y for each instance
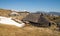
(31, 5)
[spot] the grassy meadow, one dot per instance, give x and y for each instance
(7, 30)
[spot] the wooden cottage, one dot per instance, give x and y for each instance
(37, 19)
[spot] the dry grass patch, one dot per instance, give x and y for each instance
(6, 30)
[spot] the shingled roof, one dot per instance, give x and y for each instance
(37, 18)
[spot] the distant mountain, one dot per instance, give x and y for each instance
(54, 13)
(49, 13)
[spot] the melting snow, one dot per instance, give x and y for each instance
(9, 21)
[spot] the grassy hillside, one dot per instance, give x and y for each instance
(6, 30)
(54, 19)
(4, 12)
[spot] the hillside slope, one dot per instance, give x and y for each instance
(6, 30)
(4, 12)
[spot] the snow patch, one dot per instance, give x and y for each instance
(9, 21)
